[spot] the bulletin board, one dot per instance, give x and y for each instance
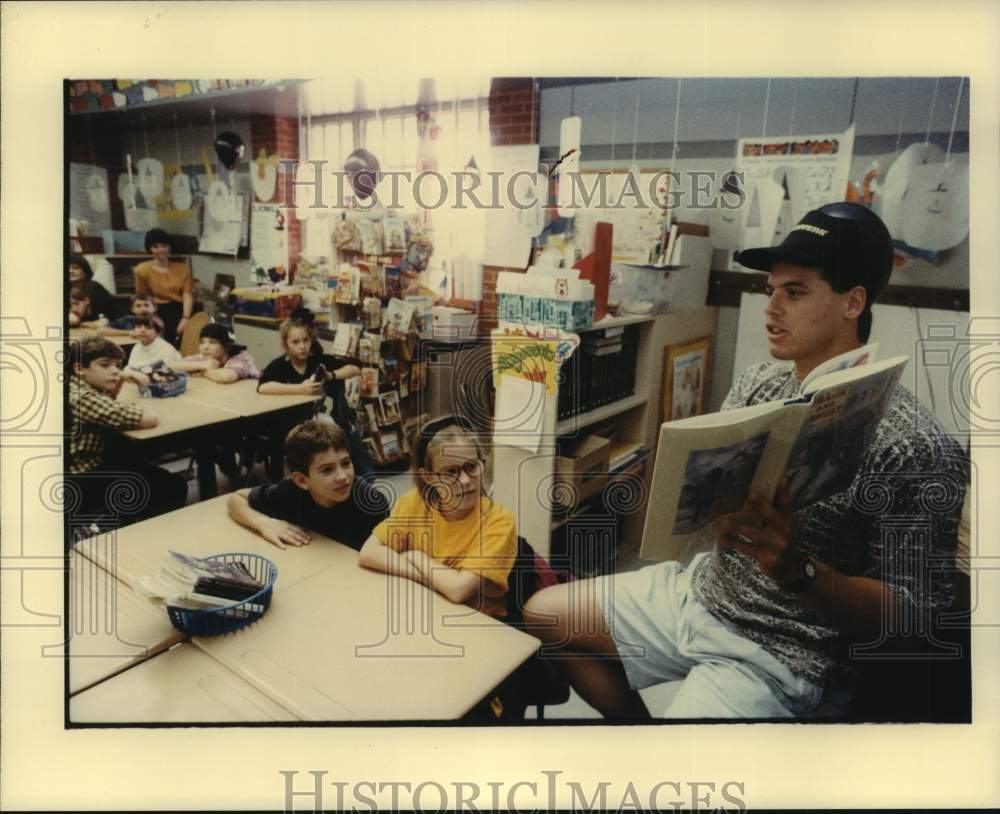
(636, 230)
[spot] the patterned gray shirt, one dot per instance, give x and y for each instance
(897, 522)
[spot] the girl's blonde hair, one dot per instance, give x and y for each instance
(293, 322)
(448, 431)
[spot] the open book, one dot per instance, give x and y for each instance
(706, 465)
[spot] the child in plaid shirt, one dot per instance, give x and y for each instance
(97, 470)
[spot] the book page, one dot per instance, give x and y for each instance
(853, 358)
(704, 471)
(840, 427)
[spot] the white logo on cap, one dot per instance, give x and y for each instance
(810, 228)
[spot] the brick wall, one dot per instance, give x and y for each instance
(513, 120)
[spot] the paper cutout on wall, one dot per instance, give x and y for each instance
(220, 201)
(936, 207)
(180, 190)
(569, 152)
(898, 179)
(88, 189)
(150, 173)
(724, 222)
(264, 175)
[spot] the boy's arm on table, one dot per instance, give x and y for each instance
(276, 531)
(194, 365)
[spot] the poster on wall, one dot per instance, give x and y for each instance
(638, 221)
(509, 229)
(785, 177)
(268, 236)
(225, 234)
(89, 199)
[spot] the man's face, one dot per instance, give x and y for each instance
(143, 308)
(101, 374)
(803, 317)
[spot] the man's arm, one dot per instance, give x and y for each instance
(275, 531)
(856, 606)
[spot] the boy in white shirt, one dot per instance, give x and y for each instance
(149, 348)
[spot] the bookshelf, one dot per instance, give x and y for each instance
(524, 481)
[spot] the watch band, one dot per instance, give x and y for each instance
(807, 571)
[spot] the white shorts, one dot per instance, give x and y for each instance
(664, 634)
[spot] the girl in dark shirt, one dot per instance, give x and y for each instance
(305, 369)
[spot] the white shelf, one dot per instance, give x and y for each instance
(600, 414)
(616, 322)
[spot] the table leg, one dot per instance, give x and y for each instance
(205, 456)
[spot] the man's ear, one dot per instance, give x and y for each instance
(854, 302)
(78, 368)
(300, 480)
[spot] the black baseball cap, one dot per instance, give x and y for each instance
(846, 241)
(222, 335)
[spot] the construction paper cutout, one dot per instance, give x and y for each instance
(898, 179)
(150, 173)
(936, 207)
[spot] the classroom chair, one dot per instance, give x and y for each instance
(538, 682)
(190, 338)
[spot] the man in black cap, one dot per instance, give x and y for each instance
(757, 626)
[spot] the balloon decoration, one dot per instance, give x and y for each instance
(229, 148)
(363, 172)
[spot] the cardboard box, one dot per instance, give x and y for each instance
(449, 323)
(583, 467)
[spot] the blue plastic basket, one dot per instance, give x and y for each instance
(212, 621)
(159, 390)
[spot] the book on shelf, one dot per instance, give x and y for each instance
(706, 465)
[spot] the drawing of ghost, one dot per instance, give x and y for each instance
(936, 207)
(897, 181)
(562, 288)
(724, 224)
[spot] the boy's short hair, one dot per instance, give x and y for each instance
(149, 322)
(311, 438)
(79, 293)
(142, 296)
(85, 351)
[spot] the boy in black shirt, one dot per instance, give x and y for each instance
(321, 494)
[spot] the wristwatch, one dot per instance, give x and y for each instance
(807, 576)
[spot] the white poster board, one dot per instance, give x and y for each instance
(637, 212)
(269, 236)
(227, 235)
(509, 228)
(813, 169)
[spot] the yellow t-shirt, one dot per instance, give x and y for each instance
(484, 542)
(165, 286)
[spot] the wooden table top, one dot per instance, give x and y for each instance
(111, 627)
(183, 685)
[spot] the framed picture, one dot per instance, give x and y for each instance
(685, 379)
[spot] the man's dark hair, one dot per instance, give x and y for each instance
(311, 438)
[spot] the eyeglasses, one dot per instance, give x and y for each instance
(473, 468)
